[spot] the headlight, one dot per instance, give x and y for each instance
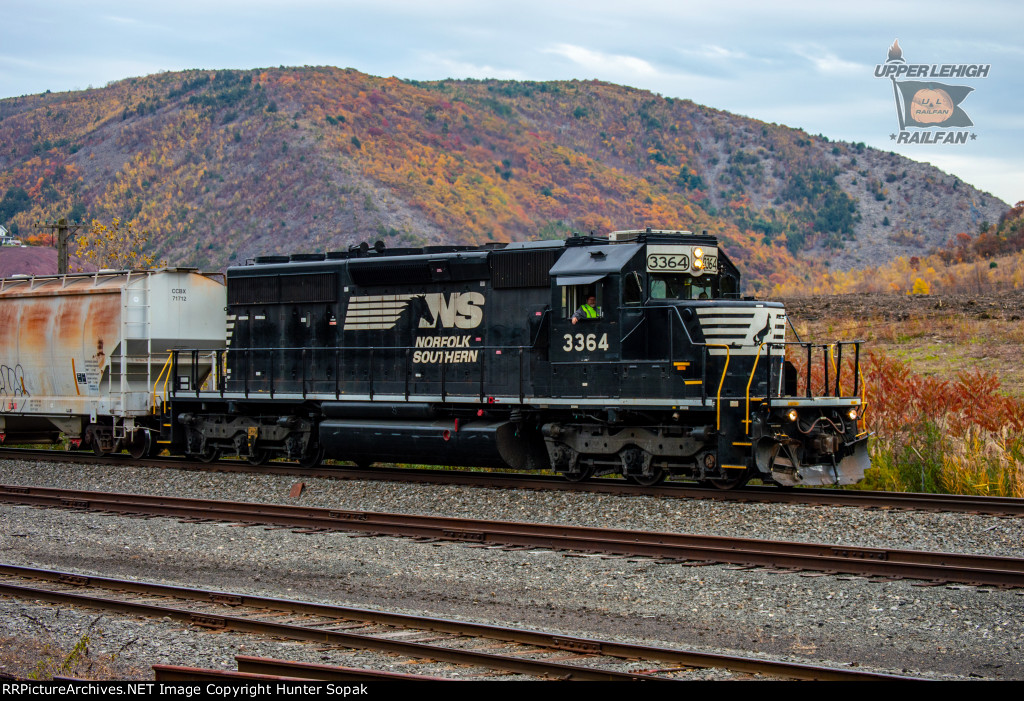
(852, 414)
(698, 253)
(792, 415)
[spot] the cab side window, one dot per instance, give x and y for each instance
(575, 296)
(632, 289)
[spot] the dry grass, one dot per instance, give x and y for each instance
(960, 435)
(43, 657)
(939, 345)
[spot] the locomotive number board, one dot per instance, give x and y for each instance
(695, 260)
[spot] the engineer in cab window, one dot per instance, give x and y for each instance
(586, 311)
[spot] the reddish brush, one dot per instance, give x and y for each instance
(971, 400)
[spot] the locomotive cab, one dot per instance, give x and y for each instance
(696, 377)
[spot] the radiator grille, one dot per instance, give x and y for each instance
(389, 272)
(311, 287)
(253, 290)
(284, 289)
(522, 268)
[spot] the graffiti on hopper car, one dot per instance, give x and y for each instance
(12, 388)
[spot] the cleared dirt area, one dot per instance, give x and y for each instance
(942, 335)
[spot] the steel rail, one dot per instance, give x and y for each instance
(519, 665)
(323, 672)
(534, 638)
(887, 562)
(268, 669)
(911, 501)
(178, 674)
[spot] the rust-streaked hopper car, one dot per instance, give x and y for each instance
(86, 354)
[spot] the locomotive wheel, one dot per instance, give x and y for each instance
(657, 476)
(732, 482)
(582, 476)
(140, 445)
(209, 454)
(259, 457)
(313, 458)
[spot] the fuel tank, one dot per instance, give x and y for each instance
(501, 444)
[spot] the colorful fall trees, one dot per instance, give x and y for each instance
(118, 246)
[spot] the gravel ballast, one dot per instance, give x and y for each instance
(940, 632)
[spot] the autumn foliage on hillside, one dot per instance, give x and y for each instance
(118, 246)
(992, 260)
(219, 166)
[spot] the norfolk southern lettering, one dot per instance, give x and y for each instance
(446, 356)
(934, 70)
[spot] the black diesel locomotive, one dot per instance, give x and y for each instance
(469, 356)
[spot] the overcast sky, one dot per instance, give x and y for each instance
(803, 64)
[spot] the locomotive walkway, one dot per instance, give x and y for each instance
(671, 547)
(529, 652)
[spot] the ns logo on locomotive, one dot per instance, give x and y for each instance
(631, 354)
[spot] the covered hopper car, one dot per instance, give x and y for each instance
(482, 356)
(80, 354)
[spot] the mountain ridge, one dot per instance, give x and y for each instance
(220, 166)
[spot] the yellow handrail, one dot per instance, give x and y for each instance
(753, 370)
(166, 369)
(832, 362)
(721, 383)
(863, 397)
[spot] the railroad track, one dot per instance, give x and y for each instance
(468, 645)
(268, 669)
(954, 503)
(980, 570)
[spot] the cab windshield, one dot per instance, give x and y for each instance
(680, 286)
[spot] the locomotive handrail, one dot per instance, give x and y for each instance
(221, 365)
(792, 328)
(829, 358)
(863, 401)
(837, 365)
(721, 383)
(540, 328)
(638, 324)
(166, 369)
(337, 352)
(757, 357)
(689, 338)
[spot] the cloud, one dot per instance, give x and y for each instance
(437, 66)
(114, 19)
(713, 52)
(827, 62)
(600, 64)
